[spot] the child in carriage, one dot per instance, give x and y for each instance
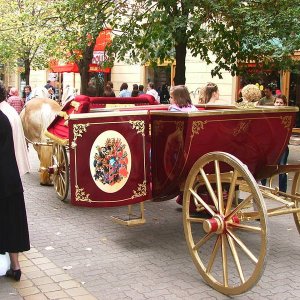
(180, 99)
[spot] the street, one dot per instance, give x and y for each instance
(81, 254)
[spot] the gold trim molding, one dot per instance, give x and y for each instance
(139, 126)
(141, 190)
(79, 129)
(242, 127)
(286, 121)
(81, 196)
(197, 126)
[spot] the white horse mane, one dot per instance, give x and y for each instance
(69, 93)
(40, 92)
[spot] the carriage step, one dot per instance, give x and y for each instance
(131, 219)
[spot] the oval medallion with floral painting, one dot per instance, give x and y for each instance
(110, 161)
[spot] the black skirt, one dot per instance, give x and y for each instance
(14, 236)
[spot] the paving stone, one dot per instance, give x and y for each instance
(28, 291)
(69, 284)
(49, 287)
(42, 280)
(76, 291)
(36, 297)
(57, 295)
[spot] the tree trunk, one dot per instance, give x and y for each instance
(83, 65)
(180, 50)
(27, 70)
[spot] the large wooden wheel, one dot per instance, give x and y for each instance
(60, 171)
(296, 191)
(227, 233)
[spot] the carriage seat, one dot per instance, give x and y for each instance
(58, 129)
(102, 102)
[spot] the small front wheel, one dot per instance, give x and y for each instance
(225, 223)
(61, 171)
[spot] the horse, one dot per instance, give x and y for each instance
(36, 116)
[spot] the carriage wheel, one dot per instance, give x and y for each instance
(61, 171)
(296, 191)
(227, 234)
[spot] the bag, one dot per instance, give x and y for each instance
(4, 263)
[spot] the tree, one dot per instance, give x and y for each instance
(79, 25)
(25, 27)
(227, 32)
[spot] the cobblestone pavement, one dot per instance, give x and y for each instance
(79, 253)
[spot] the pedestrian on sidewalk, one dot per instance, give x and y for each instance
(14, 236)
(15, 100)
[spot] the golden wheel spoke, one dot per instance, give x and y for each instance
(231, 192)
(62, 178)
(206, 206)
(209, 188)
(206, 238)
(243, 246)
(244, 227)
(239, 207)
(219, 189)
(213, 254)
(224, 260)
(236, 258)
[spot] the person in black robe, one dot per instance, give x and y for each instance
(14, 236)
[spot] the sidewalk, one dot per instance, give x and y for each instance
(41, 279)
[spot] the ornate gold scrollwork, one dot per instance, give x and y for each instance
(286, 121)
(79, 129)
(242, 127)
(179, 125)
(141, 190)
(246, 105)
(139, 126)
(81, 196)
(197, 126)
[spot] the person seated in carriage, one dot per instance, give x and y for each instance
(180, 99)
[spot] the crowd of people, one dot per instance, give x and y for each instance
(161, 95)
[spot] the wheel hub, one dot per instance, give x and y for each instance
(215, 224)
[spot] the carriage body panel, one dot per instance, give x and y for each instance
(256, 137)
(109, 158)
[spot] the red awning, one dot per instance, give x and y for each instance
(72, 67)
(99, 56)
(67, 68)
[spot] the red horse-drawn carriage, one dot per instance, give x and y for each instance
(213, 158)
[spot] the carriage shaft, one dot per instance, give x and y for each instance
(281, 211)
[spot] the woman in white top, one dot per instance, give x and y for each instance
(151, 91)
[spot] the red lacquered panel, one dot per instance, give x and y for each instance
(109, 159)
(178, 140)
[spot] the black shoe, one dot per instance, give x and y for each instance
(15, 274)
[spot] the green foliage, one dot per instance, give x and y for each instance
(24, 31)
(79, 23)
(226, 32)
